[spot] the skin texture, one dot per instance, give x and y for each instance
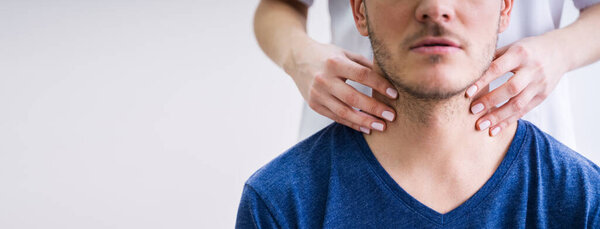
(422, 76)
(431, 150)
(538, 64)
(320, 70)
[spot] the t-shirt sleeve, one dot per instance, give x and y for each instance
(253, 212)
(581, 4)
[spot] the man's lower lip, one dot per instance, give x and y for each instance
(435, 49)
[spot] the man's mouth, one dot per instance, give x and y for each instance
(432, 41)
(431, 45)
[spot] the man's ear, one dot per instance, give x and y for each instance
(360, 16)
(505, 11)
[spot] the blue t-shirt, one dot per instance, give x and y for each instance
(333, 180)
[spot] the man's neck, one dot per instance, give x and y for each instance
(435, 146)
(439, 129)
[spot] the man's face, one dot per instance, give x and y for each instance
(432, 49)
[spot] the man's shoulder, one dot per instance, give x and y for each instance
(551, 151)
(303, 165)
(293, 187)
(565, 182)
(560, 164)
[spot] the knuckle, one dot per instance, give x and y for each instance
(313, 96)
(537, 99)
(320, 79)
(313, 104)
(372, 108)
(538, 67)
(521, 51)
(494, 68)
(343, 113)
(312, 92)
(513, 88)
(519, 105)
(351, 99)
(332, 62)
(361, 75)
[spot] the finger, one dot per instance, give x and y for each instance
(507, 62)
(316, 104)
(499, 52)
(328, 113)
(506, 91)
(346, 113)
(505, 114)
(361, 74)
(506, 122)
(354, 98)
(495, 130)
(359, 59)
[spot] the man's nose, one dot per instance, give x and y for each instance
(434, 11)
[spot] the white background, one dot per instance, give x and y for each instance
(152, 114)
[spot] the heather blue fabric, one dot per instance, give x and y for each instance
(332, 180)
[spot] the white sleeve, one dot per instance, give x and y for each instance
(581, 4)
(308, 3)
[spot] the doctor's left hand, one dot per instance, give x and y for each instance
(537, 70)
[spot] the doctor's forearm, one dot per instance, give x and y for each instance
(579, 43)
(279, 26)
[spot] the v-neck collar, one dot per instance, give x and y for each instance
(442, 219)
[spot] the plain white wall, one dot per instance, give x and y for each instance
(151, 114)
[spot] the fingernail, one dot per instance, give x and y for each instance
(392, 92)
(365, 130)
(477, 108)
(495, 131)
(484, 125)
(377, 126)
(388, 115)
(471, 91)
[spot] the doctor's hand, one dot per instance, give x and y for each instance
(320, 72)
(537, 71)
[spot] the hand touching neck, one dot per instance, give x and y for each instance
(436, 134)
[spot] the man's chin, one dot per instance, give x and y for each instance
(431, 93)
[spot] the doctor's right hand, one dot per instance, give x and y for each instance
(320, 72)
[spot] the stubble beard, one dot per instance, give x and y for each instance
(382, 55)
(417, 100)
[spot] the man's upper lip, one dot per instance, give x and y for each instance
(433, 41)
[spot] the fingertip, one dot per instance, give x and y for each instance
(392, 93)
(377, 125)
(484, 125)
(471, 91)
(365, 130)
(388, 115)
(495, 131)
(477, 108)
